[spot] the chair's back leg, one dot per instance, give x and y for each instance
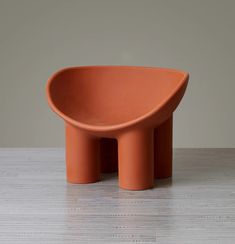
(108, 155)
(163, 150)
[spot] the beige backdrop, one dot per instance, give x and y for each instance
(40, 37)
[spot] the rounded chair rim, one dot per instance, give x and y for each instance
(107, 128)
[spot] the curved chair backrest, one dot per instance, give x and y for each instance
(109, 95)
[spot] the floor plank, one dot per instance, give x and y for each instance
(37, 205)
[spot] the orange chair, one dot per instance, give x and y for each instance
(117, 118)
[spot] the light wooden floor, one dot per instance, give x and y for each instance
(38, 206)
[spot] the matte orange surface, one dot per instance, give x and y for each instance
(117, 118)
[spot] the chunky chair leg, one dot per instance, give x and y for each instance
(163, 150)
(82, 156)
(108, 155)
(135, 155)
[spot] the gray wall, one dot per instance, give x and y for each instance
(40, 37)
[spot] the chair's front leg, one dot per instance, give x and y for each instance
(82, 156)
(135, 160)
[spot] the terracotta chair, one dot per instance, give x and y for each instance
(117, 118)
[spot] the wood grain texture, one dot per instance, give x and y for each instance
(38, 206)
